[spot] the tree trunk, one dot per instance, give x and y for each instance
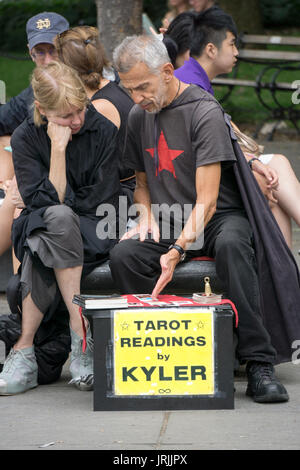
(246, 14)
(117, 19)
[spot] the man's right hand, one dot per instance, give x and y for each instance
(143, 228)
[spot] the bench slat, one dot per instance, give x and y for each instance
(233, 81)
(251, 83)
(260, 39)
(273, 55)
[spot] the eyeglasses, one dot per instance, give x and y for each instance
(42, 54)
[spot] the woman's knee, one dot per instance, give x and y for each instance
(61, 218)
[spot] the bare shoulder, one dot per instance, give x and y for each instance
(107, 109)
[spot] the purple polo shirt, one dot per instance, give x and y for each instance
(192, 72)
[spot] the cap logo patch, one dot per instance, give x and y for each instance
(41, 24)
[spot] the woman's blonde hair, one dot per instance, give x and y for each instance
(246, 143)
(81, 49)
(56, 87)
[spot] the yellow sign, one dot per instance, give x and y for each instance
(164, 352)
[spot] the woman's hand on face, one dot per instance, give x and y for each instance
(59, 135)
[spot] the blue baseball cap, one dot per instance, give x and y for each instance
(43, 28)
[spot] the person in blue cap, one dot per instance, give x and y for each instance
(41, 30)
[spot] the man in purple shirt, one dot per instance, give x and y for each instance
(192, 72)
(213, 45)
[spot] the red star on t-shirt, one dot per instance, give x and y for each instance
(166, 155)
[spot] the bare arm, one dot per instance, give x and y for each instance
(142, 200)
(107, 109)
(207, 189)
(266, 177)
(59, 136)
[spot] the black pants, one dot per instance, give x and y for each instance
(135, 268)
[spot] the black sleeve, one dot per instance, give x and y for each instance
(13, 113)
(31, 172)
(104, 183)
(210, 135)
(133, 156)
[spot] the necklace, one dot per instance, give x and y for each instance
(178, 90)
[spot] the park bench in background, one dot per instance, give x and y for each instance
(273, 63)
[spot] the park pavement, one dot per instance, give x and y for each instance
(59, 417)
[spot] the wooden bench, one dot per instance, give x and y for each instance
(273, 63)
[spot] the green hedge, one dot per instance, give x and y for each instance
(15, 13)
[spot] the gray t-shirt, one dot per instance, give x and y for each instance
(170, 145)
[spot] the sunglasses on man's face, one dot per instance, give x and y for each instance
(39, 53)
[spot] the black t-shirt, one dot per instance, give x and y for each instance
(170, 145)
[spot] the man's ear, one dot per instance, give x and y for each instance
(167, 71)
(30, 53)
(211, 50)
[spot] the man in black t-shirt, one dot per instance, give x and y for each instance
(180, 147)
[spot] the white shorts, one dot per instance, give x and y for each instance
(266, 158)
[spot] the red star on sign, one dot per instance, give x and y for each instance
(166, 155)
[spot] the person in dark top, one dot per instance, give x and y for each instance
(66, 167)
(184, 152)
(80, 48)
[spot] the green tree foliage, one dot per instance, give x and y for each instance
(15, 13)
(281, 12)
(239, 10)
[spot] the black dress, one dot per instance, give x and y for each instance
(92, 179)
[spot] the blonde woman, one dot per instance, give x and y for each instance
(63, 161)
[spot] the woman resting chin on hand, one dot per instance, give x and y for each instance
(65, 167)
